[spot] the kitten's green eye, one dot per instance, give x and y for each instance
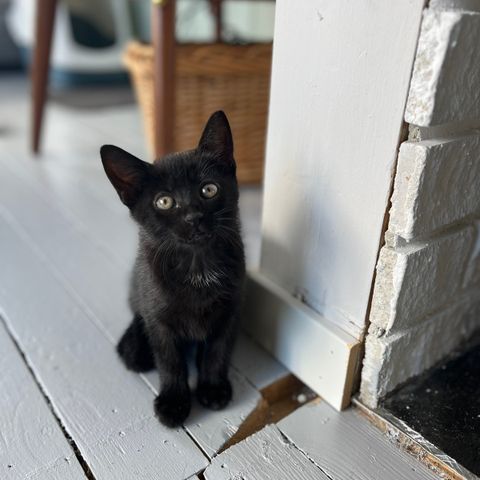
(164, 202)
(209, 190)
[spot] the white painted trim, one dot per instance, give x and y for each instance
(317, 351)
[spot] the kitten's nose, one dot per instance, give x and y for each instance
(193, 218)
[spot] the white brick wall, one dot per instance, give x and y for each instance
(393, 359)
(418, 279)
(445, 85)
(437, 184)
(426, 297)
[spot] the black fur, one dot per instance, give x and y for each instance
(188, 275)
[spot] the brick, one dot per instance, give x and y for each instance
(416, 280)
(446, 74)
(437, 183)
(392, 359)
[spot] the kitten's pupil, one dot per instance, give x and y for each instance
(209, 190)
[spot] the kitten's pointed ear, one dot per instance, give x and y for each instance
(217, 137)
(126, 172)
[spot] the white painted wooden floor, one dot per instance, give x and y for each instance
(68, 408)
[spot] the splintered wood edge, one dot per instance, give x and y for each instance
(279, 399)
(409, 445)
(353, 373)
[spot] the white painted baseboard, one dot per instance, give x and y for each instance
(318, 352)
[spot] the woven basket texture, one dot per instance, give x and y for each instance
(210, 77)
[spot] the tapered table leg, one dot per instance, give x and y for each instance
(163, 38)
(44, 22)
(216, 6)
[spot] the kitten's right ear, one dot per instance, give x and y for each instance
(217, 137)
(126, 172)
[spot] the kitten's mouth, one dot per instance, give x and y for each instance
(197, 238)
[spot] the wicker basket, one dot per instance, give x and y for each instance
(233, 78)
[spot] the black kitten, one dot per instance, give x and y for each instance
(187, 280)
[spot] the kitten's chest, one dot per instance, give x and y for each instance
(191, 319)
(191, 309)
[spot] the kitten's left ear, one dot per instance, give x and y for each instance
(126, 172)
(217, 137)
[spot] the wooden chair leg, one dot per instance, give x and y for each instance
(216, 6)
(163, 38)
(44, 22)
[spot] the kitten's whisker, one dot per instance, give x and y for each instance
(158, 251)
(234, 240)
(227, 228)
(224, 210)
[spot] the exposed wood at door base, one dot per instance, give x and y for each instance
(278, 400)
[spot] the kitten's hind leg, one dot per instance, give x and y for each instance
(134, 348)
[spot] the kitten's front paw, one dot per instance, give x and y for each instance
(172, 407)
(214, 395)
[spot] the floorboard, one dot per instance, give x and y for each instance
(266, 455)
(345, 445)
(86, 267)
(256, 364)
(32, 444)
